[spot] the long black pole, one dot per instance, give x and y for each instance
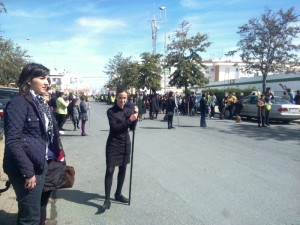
(131, 165)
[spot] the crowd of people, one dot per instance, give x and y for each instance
(34, 121)
(190, 104)
(69, 106)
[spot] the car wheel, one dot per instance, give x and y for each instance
(227, 114)
(286, 121)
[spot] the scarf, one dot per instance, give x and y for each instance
(44, 109)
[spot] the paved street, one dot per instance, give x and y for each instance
(228, 173)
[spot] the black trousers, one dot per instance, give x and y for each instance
(61, 119)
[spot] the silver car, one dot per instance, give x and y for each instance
(281, 109)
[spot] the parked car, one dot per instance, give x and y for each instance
(281, 110)
(6, 94)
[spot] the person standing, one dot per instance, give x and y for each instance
(261, 110)
(28, 126)
(83, 108)
(61, 111)
(203, 106)
(170, 106)
(118, 145)
(297, 98)
(268, 98)
(290, 94)
(221, 107)
(139, 103)
(238, 109)
(230, 100)
(55, 176)
(74, 112)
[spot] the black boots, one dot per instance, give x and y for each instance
(121, 198)
(106, 204)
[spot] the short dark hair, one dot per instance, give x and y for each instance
(120, 89)
(29, 72)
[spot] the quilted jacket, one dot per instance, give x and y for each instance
(25, 138)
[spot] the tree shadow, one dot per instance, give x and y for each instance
(278, 132)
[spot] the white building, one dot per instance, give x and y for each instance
(68, 82)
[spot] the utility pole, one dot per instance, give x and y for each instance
(163, 8)
(154, 32)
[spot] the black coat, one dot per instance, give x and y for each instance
(118, 145)
(25, 138)
(170, 105)
(203, 105)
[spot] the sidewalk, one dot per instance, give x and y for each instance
(8, 203)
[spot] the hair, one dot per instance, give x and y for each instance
(82, 98)
(120, 89)
(171, 94)
(60, 94)
(29, 72)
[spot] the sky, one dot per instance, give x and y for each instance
(81, 36)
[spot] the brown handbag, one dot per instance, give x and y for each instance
(70, 177)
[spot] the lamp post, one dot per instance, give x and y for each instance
(26, 42)
(163, 8)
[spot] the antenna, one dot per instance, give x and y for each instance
(154, 33)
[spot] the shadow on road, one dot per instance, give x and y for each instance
(279, 132)
(77, 196)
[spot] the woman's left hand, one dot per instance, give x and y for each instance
(30, 183)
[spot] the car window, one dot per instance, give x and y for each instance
(246, 100)
(6, 95)
(280, 100)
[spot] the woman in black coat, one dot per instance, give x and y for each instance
(28, 128)
(118, 144)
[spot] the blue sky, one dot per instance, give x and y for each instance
(81, 36)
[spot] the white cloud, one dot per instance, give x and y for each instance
(101, 25)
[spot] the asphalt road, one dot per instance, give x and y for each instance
(228, 173)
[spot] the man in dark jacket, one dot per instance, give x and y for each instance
(203, 111)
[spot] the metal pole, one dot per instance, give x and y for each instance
(131, 165)
(165, 77)
(163, 8)
(90, 132)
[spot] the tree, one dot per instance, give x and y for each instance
(121, 71)
(12, 60)
(267, 44)
(184, 55)
(150, 72)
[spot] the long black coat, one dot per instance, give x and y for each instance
(118, 145)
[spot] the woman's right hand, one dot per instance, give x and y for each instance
(30, 183)
(133, 117)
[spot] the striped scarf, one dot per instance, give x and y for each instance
(43, 107)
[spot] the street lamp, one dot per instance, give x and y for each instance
(163, 8)
(26, 40)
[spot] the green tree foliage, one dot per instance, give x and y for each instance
(267, 44)
(12, 60)
(150, 72)
(121, 71)
(183, 53)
